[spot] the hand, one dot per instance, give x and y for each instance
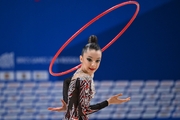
(115, 100)
(59, 109)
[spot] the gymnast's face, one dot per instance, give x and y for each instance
(90, 60)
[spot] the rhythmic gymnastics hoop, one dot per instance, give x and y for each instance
(88, 24)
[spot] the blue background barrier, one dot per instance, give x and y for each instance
(144, 59)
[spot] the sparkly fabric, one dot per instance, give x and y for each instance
(81, 91)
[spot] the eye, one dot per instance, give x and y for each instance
(98, 61)
(89, 59)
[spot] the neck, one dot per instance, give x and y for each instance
(84, 71)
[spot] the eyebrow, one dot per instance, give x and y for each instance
(91, 57)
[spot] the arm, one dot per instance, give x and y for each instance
(99, 106)
(85, 100)
(65, 89)
(88, 109)
(112, 100)
(65, 97)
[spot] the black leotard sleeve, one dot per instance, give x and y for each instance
(65, 89)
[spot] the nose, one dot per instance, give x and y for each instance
(93, 64)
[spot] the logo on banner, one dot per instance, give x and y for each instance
(40, 75)
(23, 75)
(7, 60)
(7, 75)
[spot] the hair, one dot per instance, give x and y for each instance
(92, 44)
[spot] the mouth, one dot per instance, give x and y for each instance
(92, 69)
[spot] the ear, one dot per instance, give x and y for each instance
(80, 58)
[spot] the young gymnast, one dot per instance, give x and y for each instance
(79, 89)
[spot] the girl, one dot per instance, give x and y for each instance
(79, 90)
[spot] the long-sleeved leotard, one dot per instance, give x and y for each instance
(78, 96)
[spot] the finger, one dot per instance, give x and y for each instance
(50, 108)
(120, 94)
(54, 109)
(63, 102)
(124, 100)
(128, 98)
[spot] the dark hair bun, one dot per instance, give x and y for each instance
(93, 39)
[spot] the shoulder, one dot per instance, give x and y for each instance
(81, 77)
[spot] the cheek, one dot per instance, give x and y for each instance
(98, 64)
(86, 62)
